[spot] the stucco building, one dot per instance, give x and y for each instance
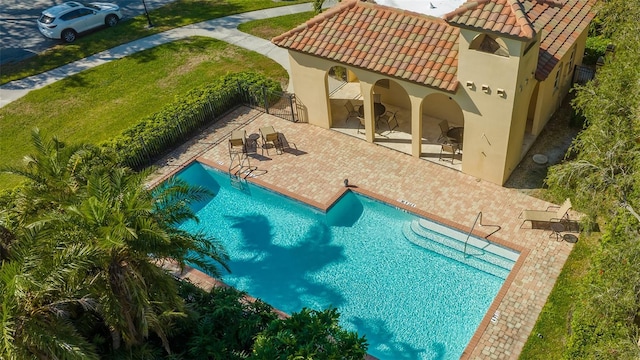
(497, 68)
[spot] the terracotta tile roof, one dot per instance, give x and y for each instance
(397, 43)
(424, 49)
(561, 22)
(506, 17)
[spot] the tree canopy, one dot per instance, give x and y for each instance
(602, 176)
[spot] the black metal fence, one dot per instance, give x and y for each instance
(146, 142)
(276, 103)
(583, 74)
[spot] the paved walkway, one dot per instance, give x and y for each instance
(224, 28)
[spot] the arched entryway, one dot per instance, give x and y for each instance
(344, 94)
(392, 111)
(442, 123)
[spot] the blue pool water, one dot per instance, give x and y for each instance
(411, 303)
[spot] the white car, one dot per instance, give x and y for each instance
(67, 20)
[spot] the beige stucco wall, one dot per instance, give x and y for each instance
(491, 132)
(443, 107)
(550, 98)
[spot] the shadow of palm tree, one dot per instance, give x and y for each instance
(378, 331)
(283, 275)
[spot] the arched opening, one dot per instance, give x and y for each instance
(529, 137)
(392, 111)
(343, 92)
(489, 44)
(442, 123)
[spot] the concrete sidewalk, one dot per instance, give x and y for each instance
(224, 28)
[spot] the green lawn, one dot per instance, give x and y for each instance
(176, 14)
(270, 28)
(553, 324)
(99, 103)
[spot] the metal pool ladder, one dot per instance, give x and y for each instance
(478, 217)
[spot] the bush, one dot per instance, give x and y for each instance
(309, 334)
(603, 325)
(596, 46)
(220, 323)
(155, 135)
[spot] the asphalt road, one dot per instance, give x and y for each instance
(19, 31)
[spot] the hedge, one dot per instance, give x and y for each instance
(153, 136)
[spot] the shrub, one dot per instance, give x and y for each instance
(309, 334)
(156, 134)
(595, 47)
(220, 323)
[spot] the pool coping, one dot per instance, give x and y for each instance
(492, 311)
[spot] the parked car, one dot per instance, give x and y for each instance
(67, 20)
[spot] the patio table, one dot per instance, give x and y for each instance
(378, 110)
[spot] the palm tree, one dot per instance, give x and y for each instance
(78, 198)
(41, 286)
(131, 226)
(54, 174)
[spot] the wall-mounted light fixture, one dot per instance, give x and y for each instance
(501, 92)
(485, 88)
(471, 85)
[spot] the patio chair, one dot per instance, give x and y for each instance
(361, 125)
(238, 142)
(449, 148)
(270, 136)
(352, 111)
(547, 216)
(389, 118)
(444, 128)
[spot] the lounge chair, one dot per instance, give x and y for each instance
(361, 125)
(270, 136)
(238, 142)
(352, 111)
(547, 216)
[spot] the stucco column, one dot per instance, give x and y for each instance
(416, 126)
(369, 118)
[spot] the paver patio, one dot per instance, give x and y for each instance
(324, 158)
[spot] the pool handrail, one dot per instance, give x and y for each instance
(479, 217)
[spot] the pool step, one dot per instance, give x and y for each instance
(480, 253)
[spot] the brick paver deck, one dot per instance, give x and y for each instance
(324, 158)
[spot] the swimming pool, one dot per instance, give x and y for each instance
(371, 261)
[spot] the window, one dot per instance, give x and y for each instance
(488, 44)
(570, 66)
(556, 83)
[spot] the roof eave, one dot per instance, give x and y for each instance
(452, 88)
(526, 38)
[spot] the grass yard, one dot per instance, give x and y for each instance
(270, 28)
(99, 103)
(173, 15)
(554, 322)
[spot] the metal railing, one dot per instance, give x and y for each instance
(475, 222)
